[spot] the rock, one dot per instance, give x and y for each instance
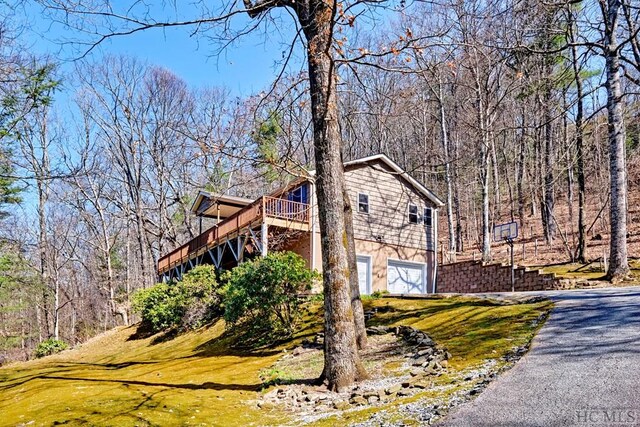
(426, 342)
(425, 352)
(417, 378)
(312, 397)
(430, 371)
(370, 393)
(358, 400)
(266, 406)
(297, 351)
(319, 338)
(372, 399)
(378, 330)
(273, 394)
(422, 385)
(404, 392)
(406, 384)
(393, 389)
(419, 361)
(444, 363)
(415, 372)
(341, 405)
(474, 391)
(447, 355)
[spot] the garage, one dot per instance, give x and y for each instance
(405, 277)
(364, 274)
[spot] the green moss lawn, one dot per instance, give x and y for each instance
(592, 271)
(122, 379)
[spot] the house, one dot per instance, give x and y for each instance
(395, 222)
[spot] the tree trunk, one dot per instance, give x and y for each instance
(456, 199)
(447, 172)
(56, 307)
(341, 358)
(520, 171)
(570, 180)
(354, 283)
(619, 263)
(497, 203)
(549, 160)
(582, 238)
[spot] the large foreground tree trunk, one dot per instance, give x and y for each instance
(341, 359)
(619, 263)
(342, 365)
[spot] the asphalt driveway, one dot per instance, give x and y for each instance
(583, 368)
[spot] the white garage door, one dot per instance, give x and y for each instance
(405, 277)
(364, 274)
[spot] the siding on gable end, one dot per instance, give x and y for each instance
(389, 197)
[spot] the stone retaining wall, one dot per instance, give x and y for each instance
(473, 276)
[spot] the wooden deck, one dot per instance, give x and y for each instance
(268, 210)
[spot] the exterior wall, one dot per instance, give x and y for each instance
(380, 253)
(389, 197)
(385, 232)
(473, 277)
(301, 246)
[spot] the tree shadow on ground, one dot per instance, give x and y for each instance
(188, 386)
(144, 331)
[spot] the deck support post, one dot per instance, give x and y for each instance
(264, 234)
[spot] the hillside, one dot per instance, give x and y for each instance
(531, 248)
(120, 378)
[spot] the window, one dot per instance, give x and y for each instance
(363, 203)
(427, 218)
(298, 194)
(413, 214)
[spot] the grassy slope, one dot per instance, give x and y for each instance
(194, 379)
(590, 272)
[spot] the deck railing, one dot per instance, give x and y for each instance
(286, 209)
(263, 207)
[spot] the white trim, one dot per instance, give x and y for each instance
(312, 201)
(369, 259)
(414, 263)
(358, 204)
(409, 204)
(435, 250)
(424, 216)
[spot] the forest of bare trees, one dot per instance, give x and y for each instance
(509, 111)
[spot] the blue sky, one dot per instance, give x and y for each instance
(246, 67)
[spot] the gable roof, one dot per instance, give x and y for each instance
(401, 172)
